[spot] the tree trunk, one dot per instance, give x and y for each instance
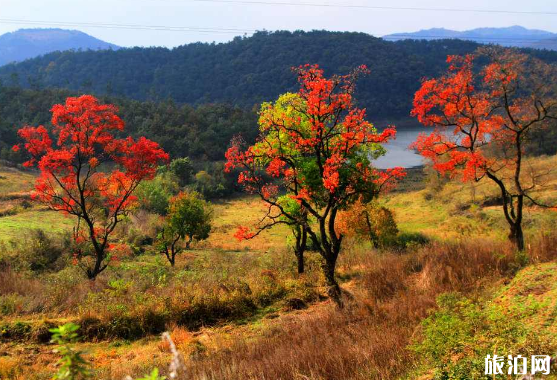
(372, 236)
(98, 268)
(173, 253)
(333, 289)
(300, 259)
(301, 236)
(513, 212)
(517, 236)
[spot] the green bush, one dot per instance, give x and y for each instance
(15, 331)
(212, 182)
(383, 226)
(41, 252)
(461, 333)
(10, 303)
(409, 239)
(154, 195)
(182, 169)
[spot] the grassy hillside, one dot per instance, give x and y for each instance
(517, 318)
(444, 209)
(18, 212)
(240, 310)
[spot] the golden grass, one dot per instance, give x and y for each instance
(15, 188)
(245, 211)
(390, 294)
(455, 210)
(13, 181)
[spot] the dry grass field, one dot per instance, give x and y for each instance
(240, 311)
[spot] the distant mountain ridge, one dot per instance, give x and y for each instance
(516, 36)
(248, 70)
(29, 43)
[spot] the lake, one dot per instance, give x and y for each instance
(398, 153)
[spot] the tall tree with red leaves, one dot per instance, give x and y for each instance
(317, 147)
(483, 111)
(71, 179)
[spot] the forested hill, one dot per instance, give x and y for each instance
(203, 133)
(247, 70)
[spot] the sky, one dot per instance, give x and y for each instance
(221, 20)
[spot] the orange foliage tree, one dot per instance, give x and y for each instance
(317, 147)
(71, 178)
(369, 220)
(483, 111)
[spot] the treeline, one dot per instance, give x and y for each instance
(247, 70)
(200, 132)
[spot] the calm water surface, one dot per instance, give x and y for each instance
(398, 153)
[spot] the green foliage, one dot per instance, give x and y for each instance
(410, 239)
(182, 169)
(154, 195)
(223, 74)
(289, 107)
(457, 337)
(189, 217)
(290, 205)
(211, 181)
(72, 365)
(383, 231)
(40, 252)
(201, 133)
(154, 375)
(233, 73)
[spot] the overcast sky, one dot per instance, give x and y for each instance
(225, 20)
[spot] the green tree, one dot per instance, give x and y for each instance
(182, 169)
(155, 195)
(189, 219)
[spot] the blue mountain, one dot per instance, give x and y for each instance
(29, 43)
(517, 36)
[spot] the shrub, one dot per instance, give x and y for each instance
(212, 182)
(10, 303)
(154, 195)
(182, 169)
(189, 219)
(409, 240)
(370, 221)
(457, 337)
(41, 252)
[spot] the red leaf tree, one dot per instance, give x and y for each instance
(72, 180)
(316, 147)
(483, 115)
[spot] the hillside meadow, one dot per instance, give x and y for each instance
(449, 291)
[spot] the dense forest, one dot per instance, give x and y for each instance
(201, 132)
(194, 98)
(246, 70)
